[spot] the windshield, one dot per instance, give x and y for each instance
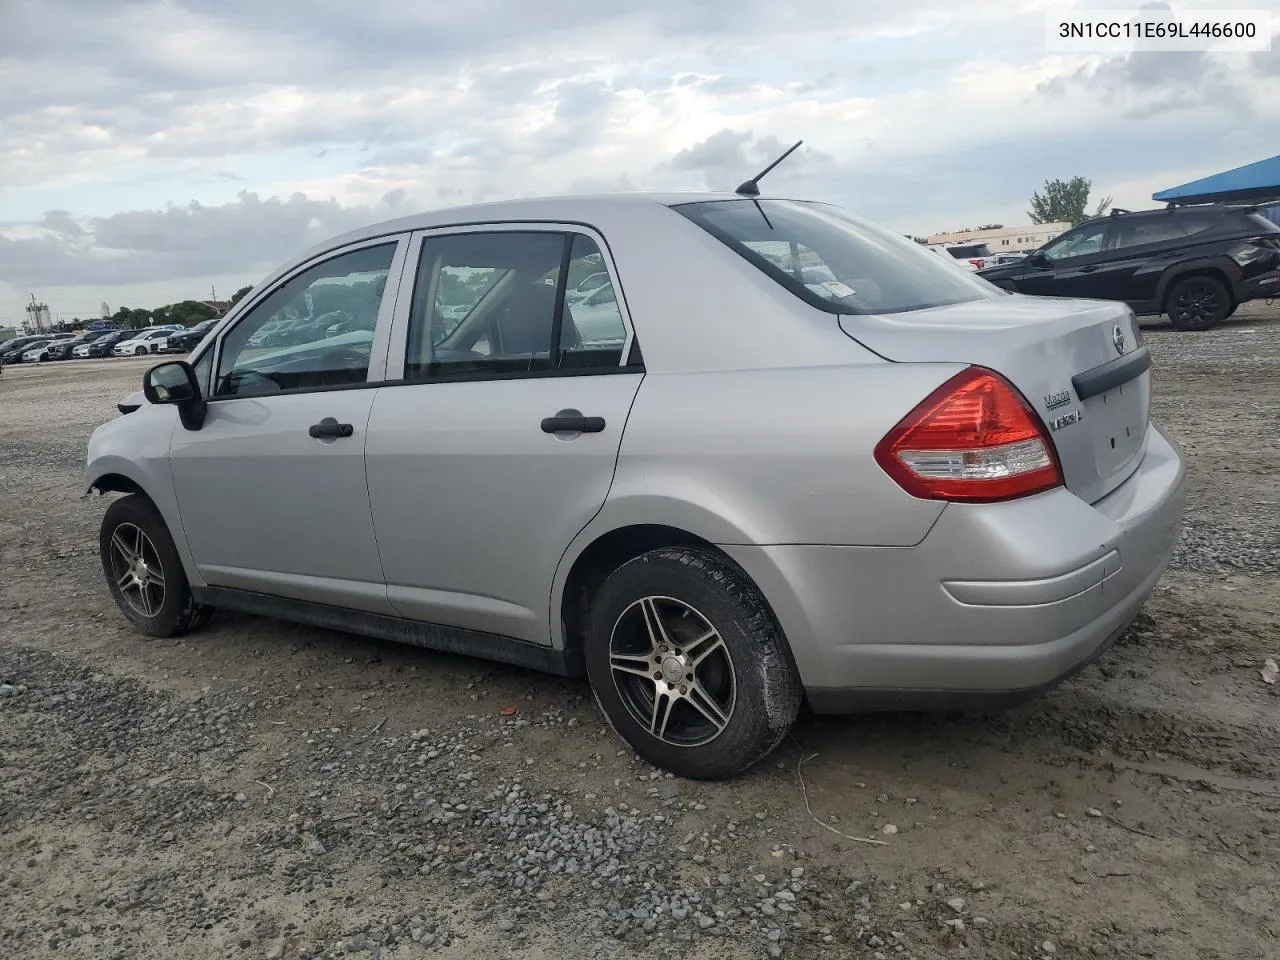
(833, 260)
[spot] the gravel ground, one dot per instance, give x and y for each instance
(266, 790)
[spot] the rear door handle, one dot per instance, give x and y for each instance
(572, 424)
(329, 428)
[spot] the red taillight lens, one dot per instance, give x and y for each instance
(979, 263)
(973, 439)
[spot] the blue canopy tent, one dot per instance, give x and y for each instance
(1252, 183)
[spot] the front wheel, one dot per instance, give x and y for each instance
(1198, 303)
(688, 665)
(140, 352)
(144, 572)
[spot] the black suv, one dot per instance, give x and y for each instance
(184, 341)
(1196, 264)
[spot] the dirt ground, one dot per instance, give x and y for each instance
(265, 790)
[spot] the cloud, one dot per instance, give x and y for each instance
(139, 246)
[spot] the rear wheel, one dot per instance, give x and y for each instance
(688, 665)
(1198, 303)
(144, 572)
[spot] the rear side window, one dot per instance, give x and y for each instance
(489, 305)
(965, 251)
(1137, 233)
(833, 260)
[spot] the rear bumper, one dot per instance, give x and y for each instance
(1256, 288)
(998, 603)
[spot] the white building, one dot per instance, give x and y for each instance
(1007, 239)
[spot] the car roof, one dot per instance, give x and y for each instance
(554, 209)
(1172, 210)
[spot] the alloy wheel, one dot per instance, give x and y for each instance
(1197, 304)
(137, 570)
(672, 670)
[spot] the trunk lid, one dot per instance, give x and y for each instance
(1080, 364)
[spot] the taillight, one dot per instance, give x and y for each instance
(973, 439)
(978, 263)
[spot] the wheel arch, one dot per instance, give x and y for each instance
(1185, 271)
(114, 474)
(113, 482)
(624, 533)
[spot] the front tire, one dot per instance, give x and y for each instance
(688, 664)
(1198, 303)
(140, 352)
(144, 572)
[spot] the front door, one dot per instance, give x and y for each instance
(499, 444)
(1069, 266)
(272, 489)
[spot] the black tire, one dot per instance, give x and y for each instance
(1198, 303)
(140, 351)
(166, 610)
(747, 690)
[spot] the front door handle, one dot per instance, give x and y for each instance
(578, 424)
(329, 428)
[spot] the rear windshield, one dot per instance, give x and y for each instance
(833, 260)
(964, 251)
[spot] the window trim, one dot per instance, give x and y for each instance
(381, 331)
(399, 334)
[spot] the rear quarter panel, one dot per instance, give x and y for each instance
(779, 456)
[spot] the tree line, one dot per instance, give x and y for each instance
(186, 312)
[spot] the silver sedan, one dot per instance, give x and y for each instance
(787, 455)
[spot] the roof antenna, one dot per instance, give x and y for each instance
(751, 188)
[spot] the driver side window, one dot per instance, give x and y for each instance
(316, 330)
(1082, 243)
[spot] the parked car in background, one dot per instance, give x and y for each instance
(999, 259)
(103, 345)
(901, 487)
(1194, 264)
(11, 350)
(585, 286)
(184, 341)
(971, 256)
(142, 342)
(65, 349)
(62, 349)
(37, 351)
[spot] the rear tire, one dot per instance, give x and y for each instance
(688, 664)
(144, 572)
(1198, 303)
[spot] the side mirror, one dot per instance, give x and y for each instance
(175, 382)
(1038, 259)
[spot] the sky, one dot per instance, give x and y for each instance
(155, 150)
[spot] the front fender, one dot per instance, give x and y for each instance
(131, 454)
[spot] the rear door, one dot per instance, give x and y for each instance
(499, 441)
(1142, 249)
